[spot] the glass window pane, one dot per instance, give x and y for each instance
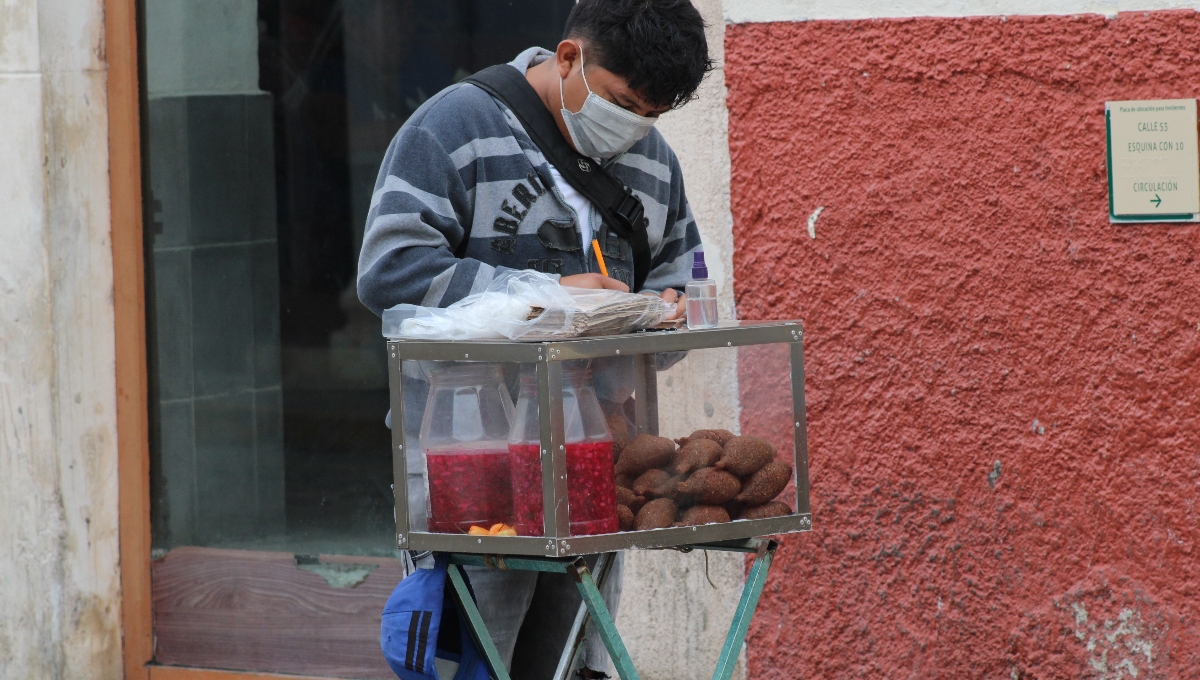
(265, 126)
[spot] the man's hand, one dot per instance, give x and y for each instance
(672, 295)
(593, 281)
(600, 282)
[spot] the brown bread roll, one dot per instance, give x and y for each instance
(643, 452)
(620, 433)
(681, 499)
(721, 437)
(625, 517)
(709, 486)
(625, 480)
(657, 514)
(629, 499)
(703, 514)
(766, 510)
(765, 484)
(654, 484)
(696, 454)
(743, 456)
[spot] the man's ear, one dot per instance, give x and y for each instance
(566, 56)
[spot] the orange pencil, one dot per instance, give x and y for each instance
(599, 256)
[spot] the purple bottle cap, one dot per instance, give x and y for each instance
(699, 269)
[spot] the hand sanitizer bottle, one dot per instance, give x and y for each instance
(701, 296)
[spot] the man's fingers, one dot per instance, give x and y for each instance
(673, 296)
(610, 283)
(579, 281)
(593, 281)
(680, 307)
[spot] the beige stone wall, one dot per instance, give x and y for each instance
(58, 489)
(673, 620)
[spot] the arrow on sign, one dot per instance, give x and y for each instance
(1156, 201)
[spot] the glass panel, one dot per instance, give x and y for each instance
(694, 463)
(463, 471)
(457, 419)
(758, 379)
(265, 125)
(588, 449)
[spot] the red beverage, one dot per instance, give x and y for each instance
(591, 489)
(468, 488)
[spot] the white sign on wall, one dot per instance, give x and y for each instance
(1153, 164)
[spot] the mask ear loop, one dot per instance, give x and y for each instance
(583, 71)
(561, 99)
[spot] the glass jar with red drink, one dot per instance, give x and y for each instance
(464, 438)
(591, 489)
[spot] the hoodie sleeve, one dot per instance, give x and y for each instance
(415, 223)
(671, 263)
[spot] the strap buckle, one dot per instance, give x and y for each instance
(631, 211)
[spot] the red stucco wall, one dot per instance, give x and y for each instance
(1003, 405)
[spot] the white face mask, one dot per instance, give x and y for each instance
(601, 129)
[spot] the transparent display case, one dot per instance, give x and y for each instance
(564, 448)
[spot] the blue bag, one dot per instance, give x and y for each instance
(418, 613)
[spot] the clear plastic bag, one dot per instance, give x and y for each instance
(528, 305)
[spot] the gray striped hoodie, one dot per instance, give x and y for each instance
(464, 160)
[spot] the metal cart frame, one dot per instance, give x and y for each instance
(557, 551)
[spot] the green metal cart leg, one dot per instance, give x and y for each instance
(579, 629)
(598, 611)
(603, 621)
(483, 639)
(744, 612)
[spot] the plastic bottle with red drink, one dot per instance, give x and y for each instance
(591, 489)
(464, 438)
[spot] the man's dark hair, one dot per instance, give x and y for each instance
(657, 46)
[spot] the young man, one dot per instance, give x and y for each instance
(464, 193)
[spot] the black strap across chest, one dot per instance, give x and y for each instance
(620, 209)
